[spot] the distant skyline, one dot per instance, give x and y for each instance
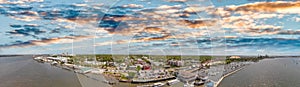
(161, 27)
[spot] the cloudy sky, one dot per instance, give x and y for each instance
(180, 27)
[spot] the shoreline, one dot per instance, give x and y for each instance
(226, 75)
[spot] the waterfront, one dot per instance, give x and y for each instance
(279, 72)
(22, 71)
(208, 72)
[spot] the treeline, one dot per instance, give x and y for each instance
(253, 59)
(173, 57)
(110, 58)
(202, 59)
(104, 58)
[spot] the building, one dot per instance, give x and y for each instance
(234, 57)
(146, 67)
(187, 78)
(122, 66)
(175, 62)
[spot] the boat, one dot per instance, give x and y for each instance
(39, 59)
(188, 85)
(171, 82)
(54, 63)
(105, 81)
(198, 83)
(158, 84)
(204, 79)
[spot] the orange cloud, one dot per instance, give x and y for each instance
(153, 29)
(279, 7)
(57, 40)
(198, 23)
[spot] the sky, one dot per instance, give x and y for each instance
(161, 27)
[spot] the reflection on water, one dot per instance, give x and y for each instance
(280, 72)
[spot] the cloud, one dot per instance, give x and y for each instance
(263, 30)
(297, 19)
(144, 39)
(231, 37)
(289, 32)
(247, 22)
(196, 9)
(177, 0)
(110, 43)
(26, 30)
(25, 18)
(125, 18)
(78, 20)
(132, 6)
(278, 6)
(47, 41)
(80, 5)
(153, 29)
(260, 30)
(169, 7)
(18, 1)
(198, 23)
(164, 37)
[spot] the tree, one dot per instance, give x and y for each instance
(138, 68)
(173, 57)
(70, 61)
(205, 58)
(228, 61)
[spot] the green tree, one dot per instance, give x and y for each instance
(205, 58)
(228, 61)
(138, 68)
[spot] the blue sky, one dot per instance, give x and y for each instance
(178, 27)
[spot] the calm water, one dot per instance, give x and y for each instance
(23, 71)
(280, 72)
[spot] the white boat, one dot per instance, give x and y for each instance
(199, 82)
(38, 58)
(54, 63)
(158, 84)
(188, 85)
(204, 78)
(171, 82)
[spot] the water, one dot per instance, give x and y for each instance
(23, 71)
(279, 72)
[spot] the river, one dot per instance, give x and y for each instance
(23, 71)
(279, 72)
